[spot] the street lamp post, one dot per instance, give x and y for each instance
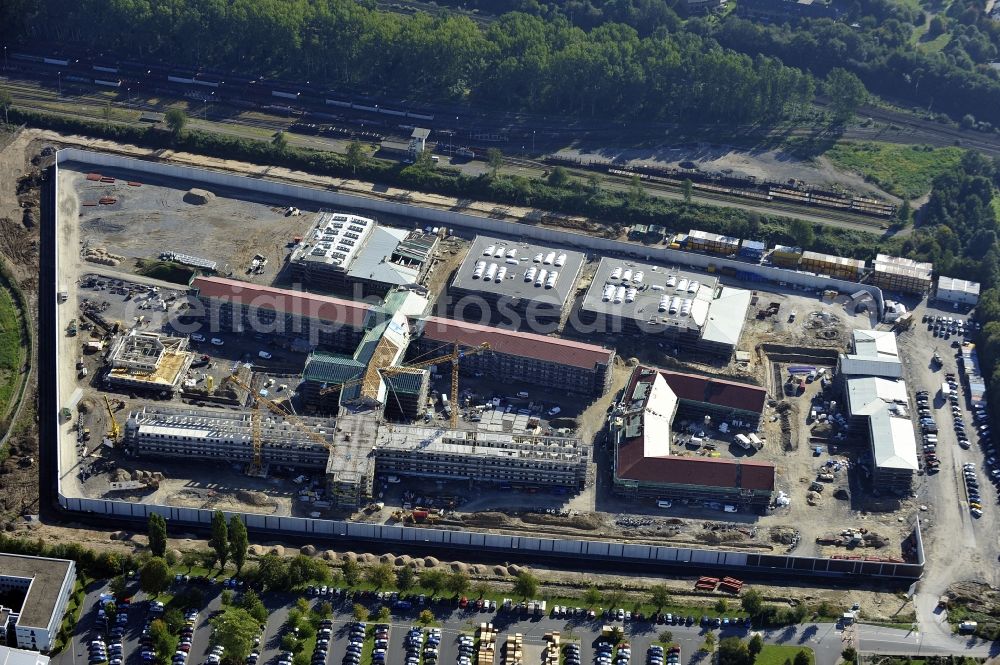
(59, 78)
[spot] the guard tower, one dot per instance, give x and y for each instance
(418, 141)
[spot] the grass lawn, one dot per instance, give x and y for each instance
(773, 654)
(906, 171)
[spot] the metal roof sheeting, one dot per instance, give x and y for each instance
(893, 441)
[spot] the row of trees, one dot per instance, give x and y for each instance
(520, 60)
(228, 542)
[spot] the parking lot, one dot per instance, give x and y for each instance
(402, 640)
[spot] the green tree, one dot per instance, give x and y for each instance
(636, 193)
(384, 614)
(591, 596)
(617, 633)
(495, 159)
(755, 646)
(6, 103)
(426, 617)
(687, 189)
(118, 586)
(163, 640)
(558, 177)
(360, 612)
(752, 602)
(721, 606)
(290, 643)
(802, 658)
(174, 619)
(802, 232)
(226, 598)
(176, 119)
(272, 572)
(355, 156)
(850, 654)
(381, 576)
(659, 596)
(458, 583)
(481, 589)
(154, 576)
(157, 528)
(405, 578)
(302, 605)
(904, 213)
(667, 637)
(733, 651)
(219, 542)
(351, 572)
(846, 93)
(434, 580)
(709, 644)
(234, 629)
(324, 610)
(252, 603)
(280, 141)
(302, 569)
(526, 585)
(238, 542)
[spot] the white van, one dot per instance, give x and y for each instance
(264, 354)
(729, 508)
(523, 394)
(554, 411)
(664, 503)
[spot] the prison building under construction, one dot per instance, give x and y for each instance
(148, 361)
(647, 464)
(712, 243)
(893, 273)
(227, 436)
(301, 320)
(372, 378)
(357, 257)
(682, 309)
(519, 357)
(839, 267)
(514, 284)
(482, 457)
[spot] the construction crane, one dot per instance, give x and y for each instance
(257, 465)
(115, 430)
(457, 353)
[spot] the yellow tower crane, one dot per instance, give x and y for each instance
(457, 353)
(114, 429)
(257, 464)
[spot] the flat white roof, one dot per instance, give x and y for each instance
(727, 315)
(657, 417)
(9, 656)
(893, 441)
(896, 265)
(876, 345)
(866, 394)
(957, 285)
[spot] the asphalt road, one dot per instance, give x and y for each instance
(827, 640)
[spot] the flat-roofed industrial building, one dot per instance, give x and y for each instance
(648, 465)
(961, 291)
(357, 257)
(894, 273)
(516, 356)
(683, 309)
(514, 284)
(834, 266)
(43, 587)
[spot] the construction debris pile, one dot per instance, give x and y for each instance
(852, 538)
(102, 255)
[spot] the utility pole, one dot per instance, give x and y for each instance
(59, 77)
